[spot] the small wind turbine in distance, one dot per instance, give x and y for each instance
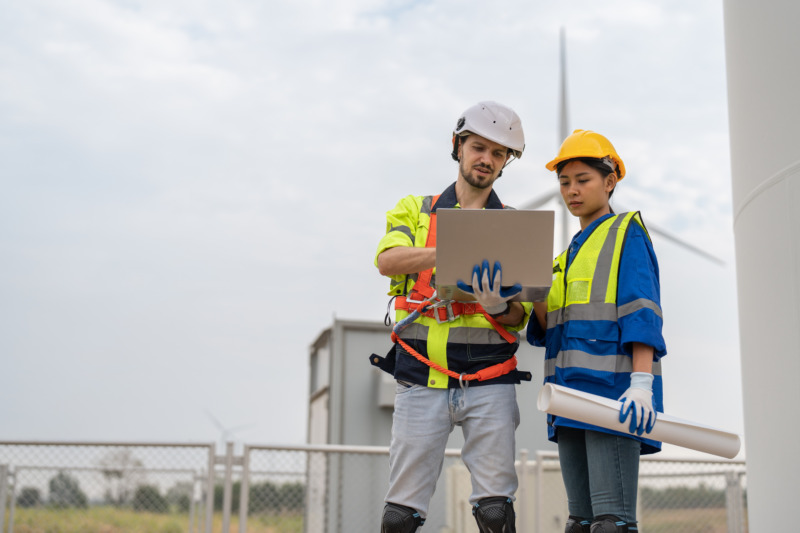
(563, 132)
(225, 433)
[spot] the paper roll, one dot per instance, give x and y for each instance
(603, 412)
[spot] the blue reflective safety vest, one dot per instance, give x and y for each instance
(604, 297)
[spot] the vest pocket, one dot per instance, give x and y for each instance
(484, 344)
(578, 291)
(589, 353)
(579, 377)
(592, 330)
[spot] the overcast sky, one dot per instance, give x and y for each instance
(192, 190)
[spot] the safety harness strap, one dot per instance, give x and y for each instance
(443, 313)
(491, 372)
(419, 302)
(422, 291)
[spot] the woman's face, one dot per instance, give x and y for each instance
(585, 191)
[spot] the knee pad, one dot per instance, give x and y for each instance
(608, 524)
(400, 519)
(577, 525)
(494, 515)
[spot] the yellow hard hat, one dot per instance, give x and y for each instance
(585, 143)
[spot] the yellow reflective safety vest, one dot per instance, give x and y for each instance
(589, 292)
(464, 341)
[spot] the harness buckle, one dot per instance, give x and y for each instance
(447, 305)
(410, 300)
(434, 305)
(450, 316)
(422, 303)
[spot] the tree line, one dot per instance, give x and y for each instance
(64, 491)
(265, 497)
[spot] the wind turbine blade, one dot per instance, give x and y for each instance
(675, 240)
(540, 201)
(214, 420)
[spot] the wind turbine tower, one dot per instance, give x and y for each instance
(763, 68)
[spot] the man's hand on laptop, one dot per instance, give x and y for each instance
(488, 288)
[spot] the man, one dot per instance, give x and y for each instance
(440, 348)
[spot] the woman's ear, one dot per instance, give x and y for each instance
(611, 182)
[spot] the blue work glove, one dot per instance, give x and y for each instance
(489, 292)
(637, 402)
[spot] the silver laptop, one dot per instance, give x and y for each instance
(522, 240)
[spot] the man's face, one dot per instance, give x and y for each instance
(481, 160)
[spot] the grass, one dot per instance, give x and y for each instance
(116, 520)
(95, 520)
(685, 521)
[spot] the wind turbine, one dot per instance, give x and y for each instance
(224, 433)
(563, 132)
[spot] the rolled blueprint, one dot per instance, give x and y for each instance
(603, 412)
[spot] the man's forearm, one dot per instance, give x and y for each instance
(402, 260)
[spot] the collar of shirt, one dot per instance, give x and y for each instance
(581, 236)
(448, 199)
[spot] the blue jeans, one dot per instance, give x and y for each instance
(600, 471)
(423, 420)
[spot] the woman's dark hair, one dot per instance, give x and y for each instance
(598, 164)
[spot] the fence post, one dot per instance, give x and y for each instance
(193, 502)
(228, 491)
(3, 485)
(13, 500)
(733, 502)
(210, 488)
(539, 490)
(244, 490)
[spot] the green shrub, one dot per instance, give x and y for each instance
(29, 497)
(65, 491)
(148, 498)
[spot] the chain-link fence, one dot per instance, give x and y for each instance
(692, 496)
(173, 488)
(105, 487)
(321, 489)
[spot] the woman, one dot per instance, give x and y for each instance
(601, 327)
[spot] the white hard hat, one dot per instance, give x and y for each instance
(492, 121)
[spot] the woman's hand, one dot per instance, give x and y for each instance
(637, 403)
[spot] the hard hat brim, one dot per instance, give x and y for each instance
(554, 163)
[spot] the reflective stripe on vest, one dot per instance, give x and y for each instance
(422, 229)
(601, 363)
(587, 290)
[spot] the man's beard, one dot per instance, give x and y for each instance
(472, 179)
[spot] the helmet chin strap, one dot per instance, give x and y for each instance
(510, 159)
